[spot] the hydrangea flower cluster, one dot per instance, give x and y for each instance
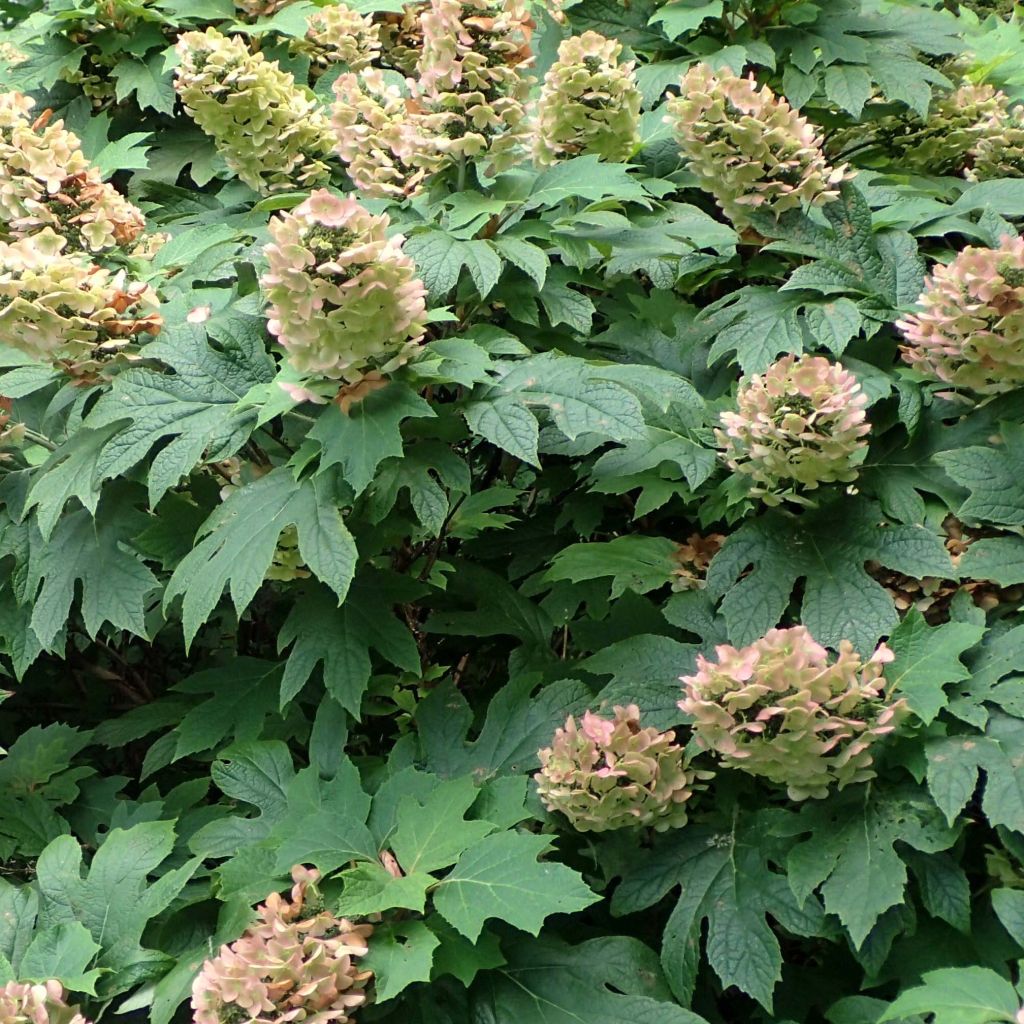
(798, 425)
(401, 36)
(344, 297)
(60, 308)
(970, 330)
(779, 710)
(296, 963)
(466, 96)
(268, 129)
(749, 148)
(46, 181)
(339, 35)
(22, 1003)
(610, 773)
(589, 103)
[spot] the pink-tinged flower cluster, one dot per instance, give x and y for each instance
(344, 298)
(46, 181)
(60, 308)
(296, 963)
(748, 147)
(610, 773)
(269, 130)
(780, 710)
(969, 332)
(23, 1003)
(465, 96)
(339, 35)
(590, 103)
(798, 425)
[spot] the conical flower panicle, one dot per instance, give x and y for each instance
(779, 710)
(999, 151)
(344, 298)
(749, 148)
(389, 144)
(610, 773)
(24, 1003)
(589, 103)
(473, 68)
(46, 181)
(797, 426)
(401, 36)
(339, 35)
(296, 963)
(270, 131)
(59, 308)
(970, 330)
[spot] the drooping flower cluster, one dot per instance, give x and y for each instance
(589, 103)
(46, 181)
(339, 35)
(798, 425)
(23, 1003)
(268, 129)
(61, 308)
(970, 330)
(296, 963)
(605, 774)
(344, 297)
(749, 148)
(466, 95)
(780, 710)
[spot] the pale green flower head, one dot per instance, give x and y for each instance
(797, 426)
(344, 298)
(780, 710)
(589, 103)
(748, 147)
(24, 1003)
(298, 963)
(606, 774)
(270, 131)
(969, 332)
(63, 309)
(339, 35)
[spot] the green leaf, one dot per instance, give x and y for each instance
(585, 177)
(1009, 907)
(1000, 559)
(116, 899)
(370, 889)
(63, 951)
(606, 980)
(340, 639)
(190, 412)
(148, 80)
(94, 555)
(828, 549)
(850, 853)
(640, 564)
(458, 956)
(927, 660)
(958, 995)
(433, 833)
(401, 953)
(994, 475)
(507, 424)
(684, 16)
(758, 325)
(369, 433)
(848, 86)
(500, 877)
(238, 540)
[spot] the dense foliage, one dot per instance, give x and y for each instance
(512, 512)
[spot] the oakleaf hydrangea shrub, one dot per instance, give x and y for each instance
(269, 130)
(748, 147)
(41, 1003)
(797, 426)
(590, 103)
(969, 332)
(780, 709)
(297, 962)
(612, 773)
(345, 298)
